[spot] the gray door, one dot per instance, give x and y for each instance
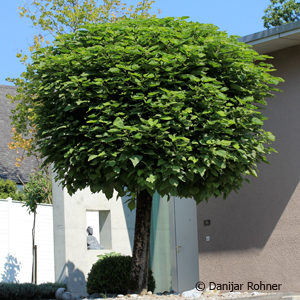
(184, 243)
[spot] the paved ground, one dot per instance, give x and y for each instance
(276, 296)
(212, 296)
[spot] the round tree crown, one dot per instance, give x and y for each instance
(164, 105)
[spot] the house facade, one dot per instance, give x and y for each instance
(253, 237)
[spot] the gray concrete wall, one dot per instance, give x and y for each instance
(73, 260)
(255, 234)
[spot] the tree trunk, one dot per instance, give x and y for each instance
(141, 247)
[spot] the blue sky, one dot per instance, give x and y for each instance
(237, 17)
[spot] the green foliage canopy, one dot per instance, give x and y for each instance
(158, 104)
(280, 12)
(37, 190)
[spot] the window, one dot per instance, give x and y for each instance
(100, 222)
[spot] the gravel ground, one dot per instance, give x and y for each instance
(193, 294)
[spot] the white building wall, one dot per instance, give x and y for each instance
(16, 242)
(73, 261)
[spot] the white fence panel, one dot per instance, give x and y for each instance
(16, 242)
(4, 242)
(45, 245)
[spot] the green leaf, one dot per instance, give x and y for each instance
(151, 178)
(253, 172)
(193, 159)
(225, 143)
(136, 159)
(138, 135)
(221, 153)
(270, 136)
(176, 168)
(173, 182)
(221, 113)
(257, 121)
(166, 118)
(118, 122)
(202, 171)
(91, 157)
(114, 70)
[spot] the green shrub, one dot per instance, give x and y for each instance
(28, 291)
(47, 290)
(110, 275)
(8, 188)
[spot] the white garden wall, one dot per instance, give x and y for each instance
(16, 242)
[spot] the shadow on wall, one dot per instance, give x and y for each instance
(130, 221)
(73, 278)
(11, 269)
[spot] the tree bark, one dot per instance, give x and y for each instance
(141, 247)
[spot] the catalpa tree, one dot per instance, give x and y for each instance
(149, 105)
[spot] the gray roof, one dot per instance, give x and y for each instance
(8, 169)
(277, 38)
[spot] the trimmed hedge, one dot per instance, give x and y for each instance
(110, 275)
(28, 291)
